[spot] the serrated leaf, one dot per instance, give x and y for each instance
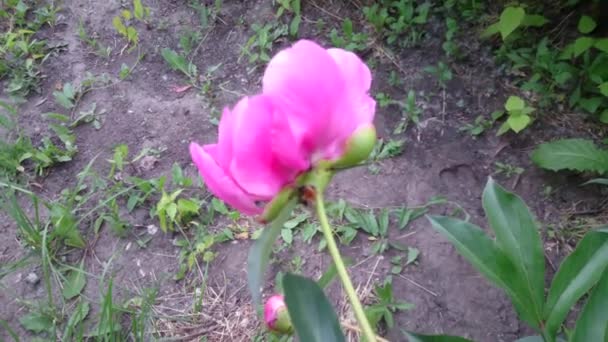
(510, 19)
(313, 317)
(138, 9)
(514, 103)
(586, 24)
(571, 154)
(518, 122)
(582, 44)
(577, 274)
(119, 26)
(74, 282)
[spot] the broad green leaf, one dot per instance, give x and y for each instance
(592, 323)
(132, 35)
(63, 100)
(586, 24)
(514, 103)
(604, 88)
(294, 26)
(582, 44)
(601, 44)
(590, 104)
(577, 274)
(510, 19)
(488, 259)
(119, 26)
(518, 237)
(518, 122)
(310, 311)
(571, 154)
(74, 282)
(412, 255)
(534, 20)
(412, 337)
(36, 322)
(259, 254)
(176, 62)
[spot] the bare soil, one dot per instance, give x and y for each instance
(145, 111)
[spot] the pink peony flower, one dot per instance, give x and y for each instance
(313, 100)
(276, 316)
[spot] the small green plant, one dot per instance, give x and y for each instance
(513, 19)
(347, 38)
(481, 124)
(258, 47)
(178, 62)
(442, 72)
(449, 46)
(122, 23)
(386, 305)
(291, 6)
(207, 13)
(98, 48)
(507, 169)
(518, 115)
(398, 22)
(514, 261)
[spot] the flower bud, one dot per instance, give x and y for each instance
(358, 147)
(276, 315)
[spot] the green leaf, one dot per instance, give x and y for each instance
(604, 88)
(517, 236)
(412, 337)
(328, 276)
(601, 44)
(514, 103)
(534, 338)
(488, 259)
(571, 154)
(592, 323)
(310, 311)
(412, 255)
(518, 122)
(586, 24)
(591, 104)
(490, 31)
(601, 181)
(582, 44)
(287, 235)
(138, 9)
(119, 26)
(577, 274)
(80, 313)
(74, 282)
(510, 19)
(36, 322)
(294, 26)
(259, 254)
(176, 61)
(534, 20)
(63, 100)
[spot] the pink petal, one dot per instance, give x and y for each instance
(308, 85)
(220, 184)
(356, 74)
(271, 309)
(253, 165)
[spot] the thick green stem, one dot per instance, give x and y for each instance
(366, 328)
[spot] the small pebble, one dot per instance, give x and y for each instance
(32, 278)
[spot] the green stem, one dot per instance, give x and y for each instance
(366, 328)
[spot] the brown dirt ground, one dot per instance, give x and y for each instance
(143, 111)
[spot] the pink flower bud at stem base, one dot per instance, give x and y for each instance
(276, 315)
(358, 147)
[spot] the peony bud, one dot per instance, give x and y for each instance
(276, 315)
(358, 147)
